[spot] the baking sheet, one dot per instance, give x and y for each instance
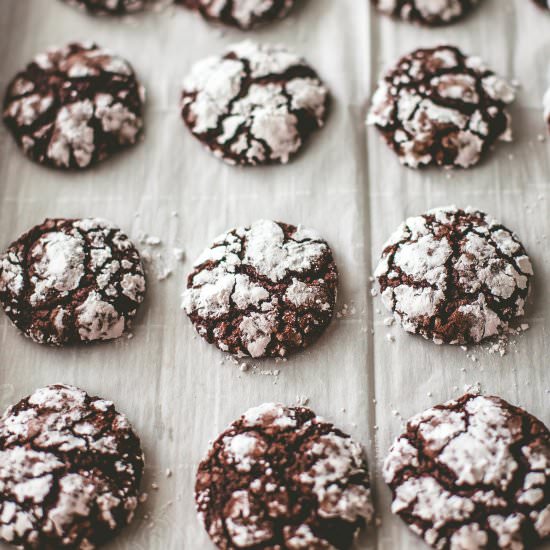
(178, 391)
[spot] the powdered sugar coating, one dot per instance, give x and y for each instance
(460, 478)
(264, 290)
(291, 481)
(74, 106)
(68, 281)
(440, 107)
(110, 7)
(243, 14)
(427, 12)
(70, 467)
(454, 276)
(257, 104)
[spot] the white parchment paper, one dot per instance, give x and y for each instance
(178, 391)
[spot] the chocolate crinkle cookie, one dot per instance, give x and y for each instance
(70, 469)
(243, 14)
(267, 290)
(440, 107)
(473, 473)
(74, 106)
(110, 7)
(426, 12)
(280, 477)
(454, 276)
(69, 281)
(256, 104)
(543, 3)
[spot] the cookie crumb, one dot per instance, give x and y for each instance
(179, 254)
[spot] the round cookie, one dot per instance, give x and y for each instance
(543, 3)
(439, 107)
(266, 290)
(473, 473)
(109, 7)
(454, 276)
(243, 14)
(74, 106)
(257, 104)
(281, 477)
(70, 469)
(426, 12)
(69, 281)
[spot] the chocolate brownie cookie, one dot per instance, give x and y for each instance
(263, 291)
(74, 106)
(109, 7)
(426, 12)
(243, 14)
(256, 104)
(281, 477)
(473, 473)
(440, 107)
(69, 281)
(70, 468)
(454, 276)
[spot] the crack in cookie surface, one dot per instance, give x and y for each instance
(70, 468)
(74, 106)
(257, 104)
(264, 290)
(440, 107)
(290, 480)
(454, 276)
(473, 473)
(70, 281)
(426, 12)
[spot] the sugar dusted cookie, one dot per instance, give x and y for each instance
(291, 480)
(70, 469)
(454, 276)
(74, 106)
(70, 281)
(473, 473)
(256, 104)
(266, 290)
(439, 107)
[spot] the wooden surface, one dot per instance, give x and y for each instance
(177, 390)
